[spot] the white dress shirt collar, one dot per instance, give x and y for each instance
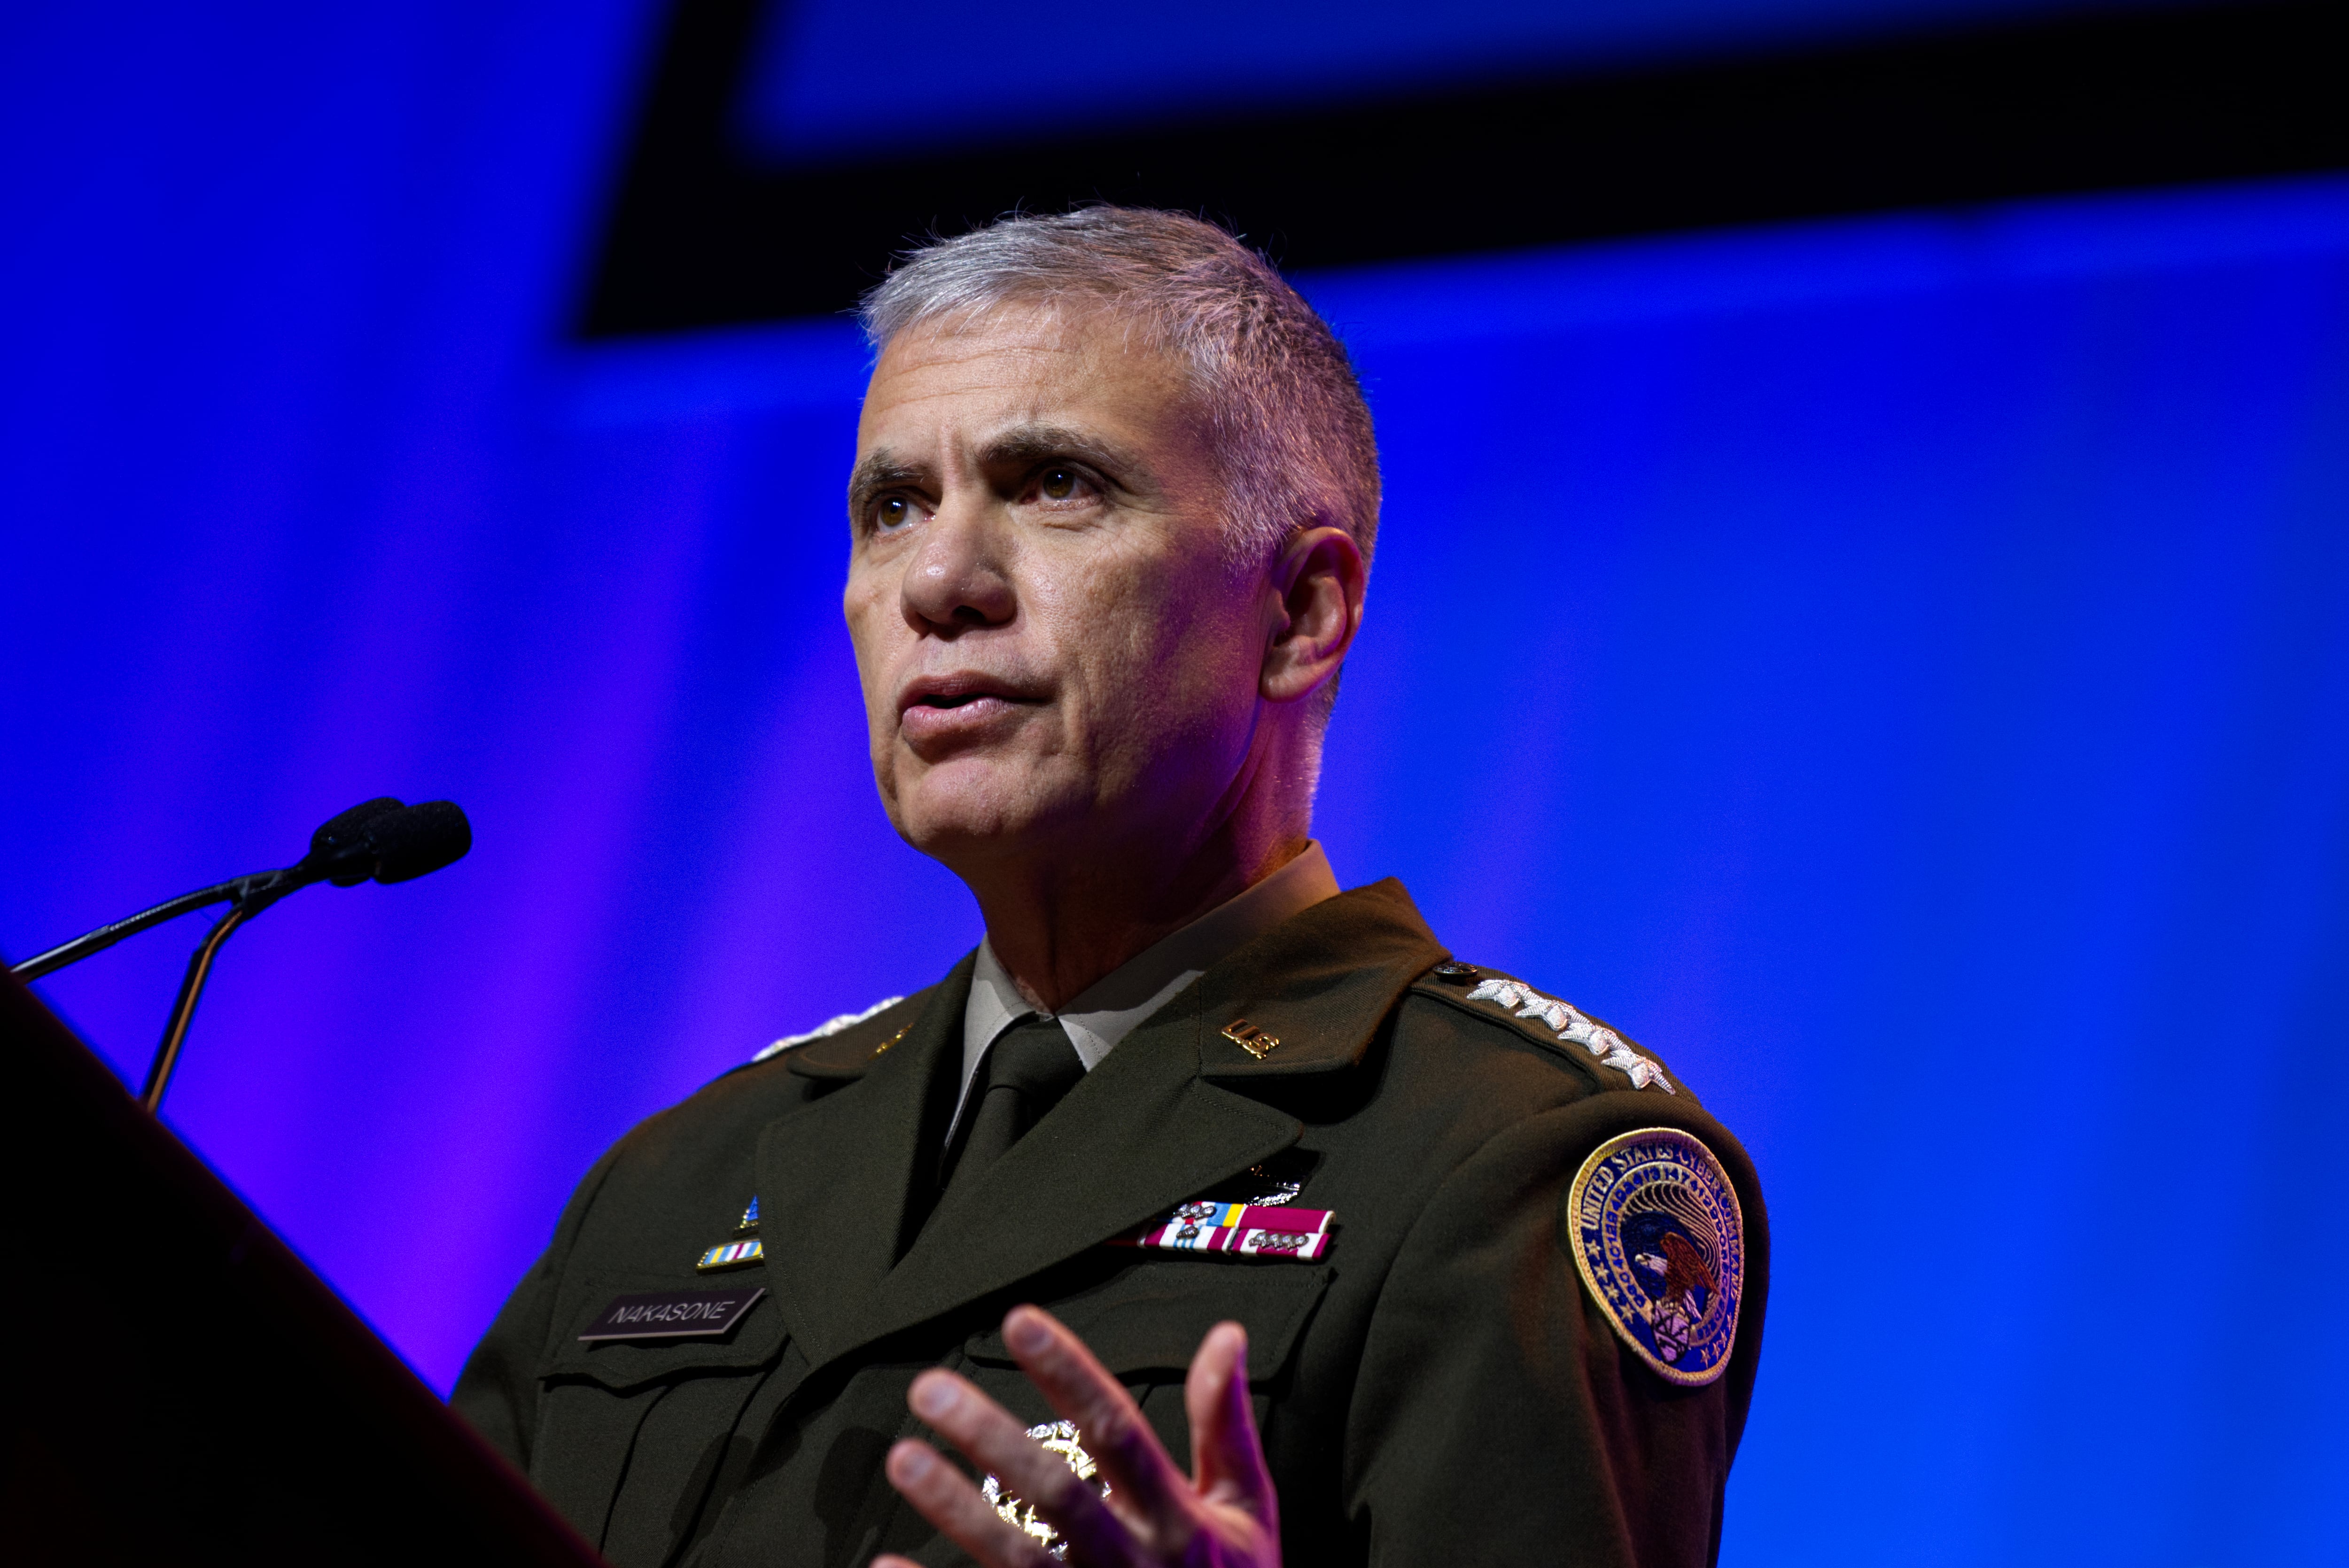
(1108, 1010)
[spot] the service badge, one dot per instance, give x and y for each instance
(1661, 1242)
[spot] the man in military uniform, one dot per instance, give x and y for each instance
(1195, 1155)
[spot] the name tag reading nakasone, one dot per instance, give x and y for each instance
(679, 1315)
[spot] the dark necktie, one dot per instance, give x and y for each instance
(1027, 1070)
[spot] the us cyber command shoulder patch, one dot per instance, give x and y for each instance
(1660, 1242)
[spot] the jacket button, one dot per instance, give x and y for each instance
(1454, 974)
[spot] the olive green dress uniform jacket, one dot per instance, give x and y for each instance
(1440, 1388)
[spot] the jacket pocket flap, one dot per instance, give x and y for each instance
(1151, 1317)
(752, 1341)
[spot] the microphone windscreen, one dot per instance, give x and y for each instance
(422, 837)
(342, 833)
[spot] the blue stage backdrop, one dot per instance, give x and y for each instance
(1899, 669)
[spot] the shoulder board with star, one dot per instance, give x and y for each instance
(1556, 1024)
(842, 1048)
(826, 1029)
(844, 1043)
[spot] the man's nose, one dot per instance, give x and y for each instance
(958, 578)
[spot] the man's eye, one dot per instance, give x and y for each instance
(1059, 484)
(893, 513)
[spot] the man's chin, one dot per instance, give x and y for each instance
(971, 811)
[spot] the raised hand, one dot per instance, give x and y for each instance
(1222, 1515)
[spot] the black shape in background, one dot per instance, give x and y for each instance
(700, 235)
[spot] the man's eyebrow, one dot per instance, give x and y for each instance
(880, 470)
(1026, 446)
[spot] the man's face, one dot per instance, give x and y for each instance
(1055, 657)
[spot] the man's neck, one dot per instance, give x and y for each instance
(1057, 932)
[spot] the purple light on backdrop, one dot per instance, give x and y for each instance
(1894, 668)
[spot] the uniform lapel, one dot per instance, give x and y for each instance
(1141, 1134)
(1147, 1128)
(1320, 985)
(836, 1177)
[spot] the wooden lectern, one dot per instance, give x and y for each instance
(179, 1387)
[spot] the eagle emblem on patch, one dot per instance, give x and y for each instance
(1660, 1242)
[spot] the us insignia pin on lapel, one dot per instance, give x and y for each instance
(1661, 1242)
(1250, 1039)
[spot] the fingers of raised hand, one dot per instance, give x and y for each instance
(1147, 1488)
(1226, 1457)
(949, 1502)
(997, 1443)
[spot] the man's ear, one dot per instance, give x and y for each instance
(1315, 608)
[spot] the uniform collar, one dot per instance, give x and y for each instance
(1162, 1120)
(1108, 1010)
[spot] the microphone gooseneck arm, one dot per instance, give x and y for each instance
(378, 841)
(200, 969)
(105, 936)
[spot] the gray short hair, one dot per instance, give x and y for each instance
(1285, 414)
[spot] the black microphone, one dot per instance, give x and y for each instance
(339, 850)
(420, 840)
(381, 839)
